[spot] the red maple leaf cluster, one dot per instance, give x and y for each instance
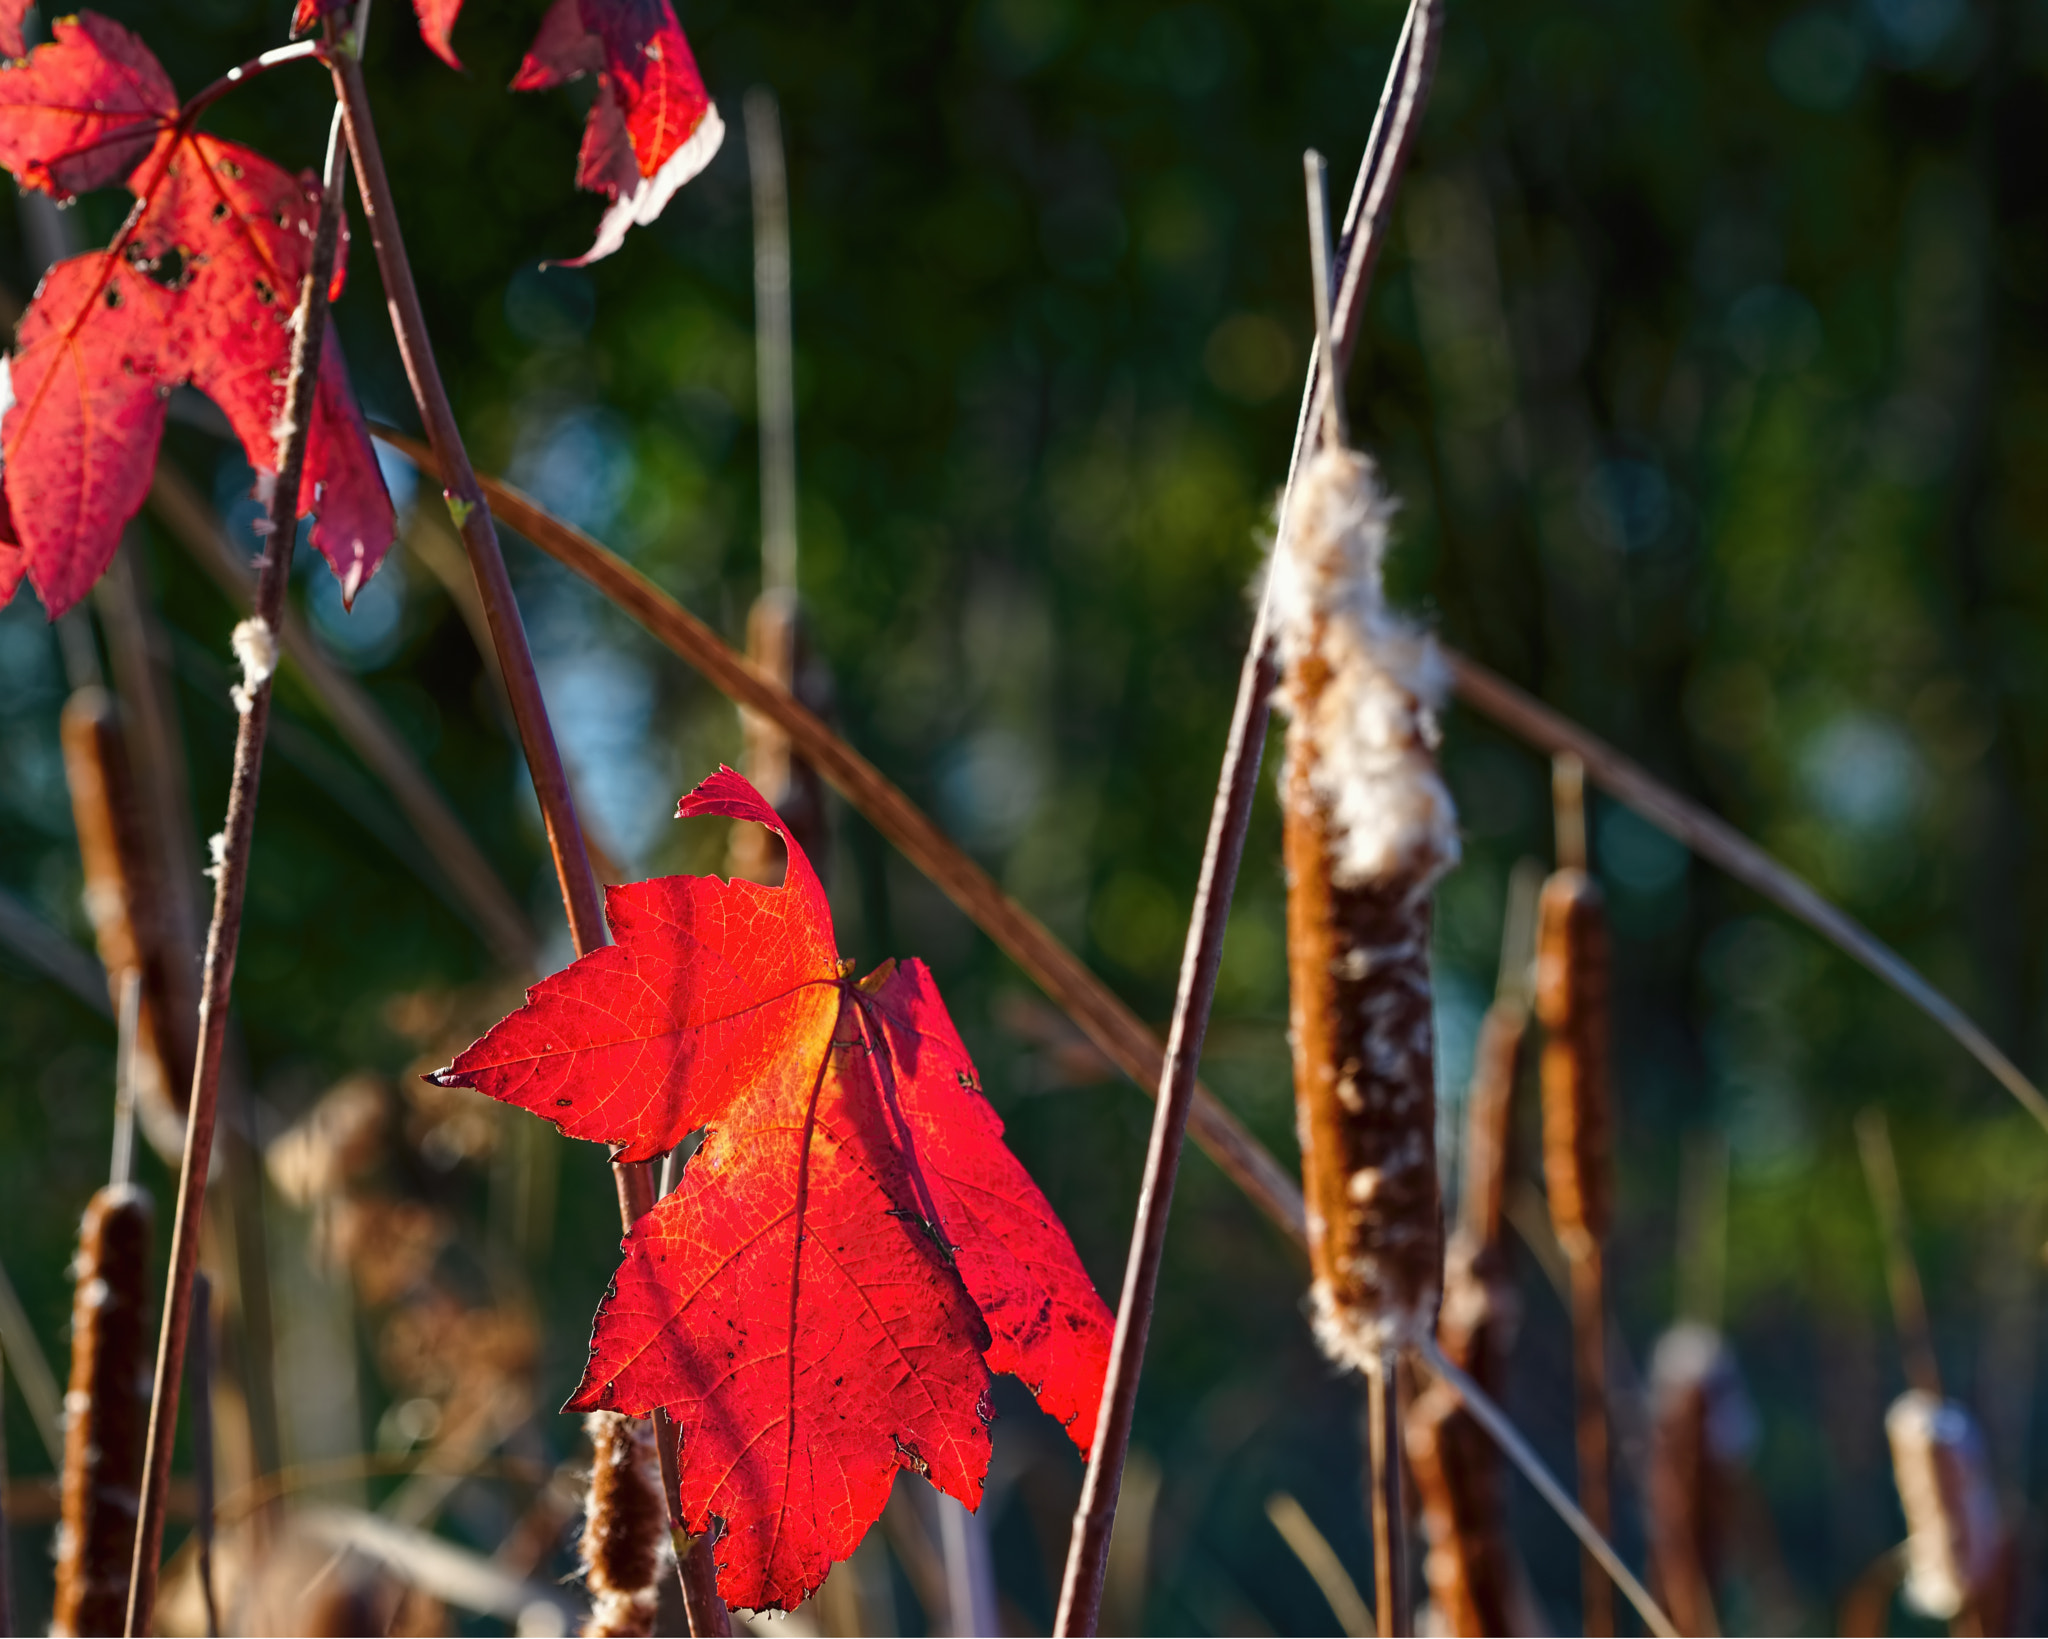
(198, 288)
(851, 1252)
(653, 126)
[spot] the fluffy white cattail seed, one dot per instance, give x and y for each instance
(255, 646)
(1369, 828)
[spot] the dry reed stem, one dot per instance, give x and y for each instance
(1572, 1001)
(1718, 842)
(106, 1412)
(124, 898)
(625, 1528)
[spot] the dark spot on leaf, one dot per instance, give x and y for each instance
(265, 294)
(563, 1103)
(220, 211)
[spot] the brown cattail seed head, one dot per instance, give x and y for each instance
(106, 1412)
(128, 911)
(625, 1531)
(1571, 1000)
(1369, 828)
(1701, 1429)
(1953, 1535)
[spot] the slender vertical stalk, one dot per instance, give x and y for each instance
(472, 517)
(200, 1359)
(776, 393)
(256, 643)
(1902, 1272)
(1386, 154)
(1389, 1536)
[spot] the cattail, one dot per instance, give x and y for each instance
(106, 1412)
(129, 913)
(1578, 1138)
(1954, 1541)
(1368, 830)
(625, 1531)
(1571, 1000)
(1473, 1576)
(1701, 1428)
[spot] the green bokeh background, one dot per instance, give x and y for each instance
(1709, 361)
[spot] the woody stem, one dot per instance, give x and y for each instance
(581, 900)
(230, 884)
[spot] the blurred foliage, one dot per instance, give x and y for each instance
(1707, 362)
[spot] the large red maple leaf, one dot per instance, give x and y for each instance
(198, 288)
(653, 126)
(852, 1250)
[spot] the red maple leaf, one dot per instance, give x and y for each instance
(197, 288)
(852, 1250)
(653, 126)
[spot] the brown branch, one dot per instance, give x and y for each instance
(1720, 843)
(480, 894)
(580, 897)
(466, 506)
(1092, 1005)
(257, 643)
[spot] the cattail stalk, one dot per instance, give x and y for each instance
(625, 1530)
(1474, 1579)
(1572, 1002)
(1368, 829)
(106, 1412)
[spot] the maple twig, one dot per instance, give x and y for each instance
(1401, 103)
(256, 644)
(581, 900)
(1121, 1035)
(580, 897)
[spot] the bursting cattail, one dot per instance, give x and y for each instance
(1954, 1541)
(1369, 828)
(625, 1529)
(106, 1412)
(129, 913)
(1702, 1427)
